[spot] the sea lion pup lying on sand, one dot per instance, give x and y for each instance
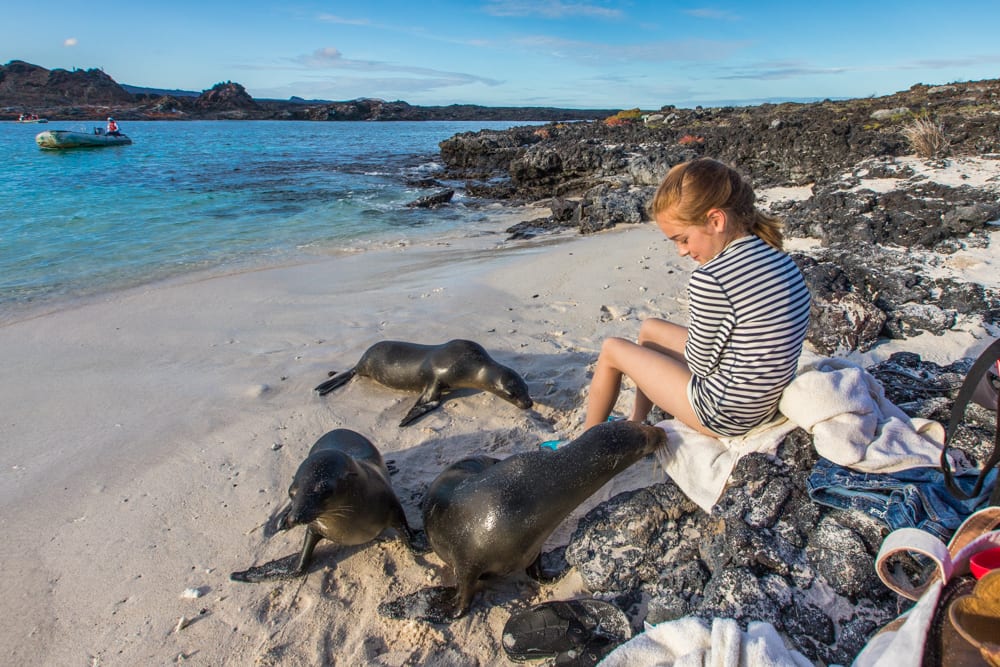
(485, 516)
(433, 370)
(341, 492)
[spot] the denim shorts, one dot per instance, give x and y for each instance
(913, 498)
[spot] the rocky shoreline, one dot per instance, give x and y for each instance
(877, 211)
(766, 552)
(60, 94)
(884, 226)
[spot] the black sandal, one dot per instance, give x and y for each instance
(575, 632)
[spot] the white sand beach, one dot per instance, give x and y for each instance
(147, 436)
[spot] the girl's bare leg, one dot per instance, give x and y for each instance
(606, 383)
(667, 338)
(660, 377)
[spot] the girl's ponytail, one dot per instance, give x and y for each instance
(768, 228)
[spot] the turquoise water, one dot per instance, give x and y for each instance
(188, 196)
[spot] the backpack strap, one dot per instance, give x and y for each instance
(989, 356)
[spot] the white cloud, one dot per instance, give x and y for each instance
(331, 71)
(384, 87)
(70, 41)
(549, 9)
(944, 63)
(769, 73)
(325, 57)
(689, 50)
(331, 18)
(713, 14)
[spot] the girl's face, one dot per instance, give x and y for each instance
(699, 242)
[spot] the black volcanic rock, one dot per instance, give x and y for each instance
(229, 98)
(914, 214)
(870, 280)
(776, 144)
(766, 551)
(25, 85)
(434, 200)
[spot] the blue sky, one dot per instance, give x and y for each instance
(565, 53)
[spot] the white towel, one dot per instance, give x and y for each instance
(700, 464)
(689, 642)
(841, 405)
(854, 425)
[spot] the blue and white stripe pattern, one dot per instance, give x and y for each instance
(749, 314)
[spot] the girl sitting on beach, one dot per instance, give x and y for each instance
(723, 374)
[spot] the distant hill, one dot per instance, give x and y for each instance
(29, 85)
(159, 92)
(60, 94)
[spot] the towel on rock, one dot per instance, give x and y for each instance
(840, 404)
(700, 464)
(688, 642)
(854, 425)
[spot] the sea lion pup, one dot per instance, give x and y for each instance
(341, 492)
(433, 370)
(485, 516)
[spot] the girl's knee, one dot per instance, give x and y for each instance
(613, 350)
(614, 343)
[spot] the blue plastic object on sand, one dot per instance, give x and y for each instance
(554, 444)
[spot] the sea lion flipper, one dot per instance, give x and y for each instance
(467, 582)
(434, 605)
(417, 542)
(419, 409)
(308, 545)
(282, 568)
(289, 567)
(338, 380)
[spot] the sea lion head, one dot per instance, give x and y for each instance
(511, 387)
(655, 438)
(319, 488)
(625, 438)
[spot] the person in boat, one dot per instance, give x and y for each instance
(112, 130)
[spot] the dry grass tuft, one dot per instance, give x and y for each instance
(926, 138)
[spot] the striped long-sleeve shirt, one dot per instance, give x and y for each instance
(749, 310)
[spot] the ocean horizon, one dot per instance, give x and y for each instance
(191, 196)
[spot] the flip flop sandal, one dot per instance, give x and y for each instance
(575, 632)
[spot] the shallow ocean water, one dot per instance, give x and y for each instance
(194, 195)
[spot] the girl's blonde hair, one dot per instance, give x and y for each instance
(691, 189)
